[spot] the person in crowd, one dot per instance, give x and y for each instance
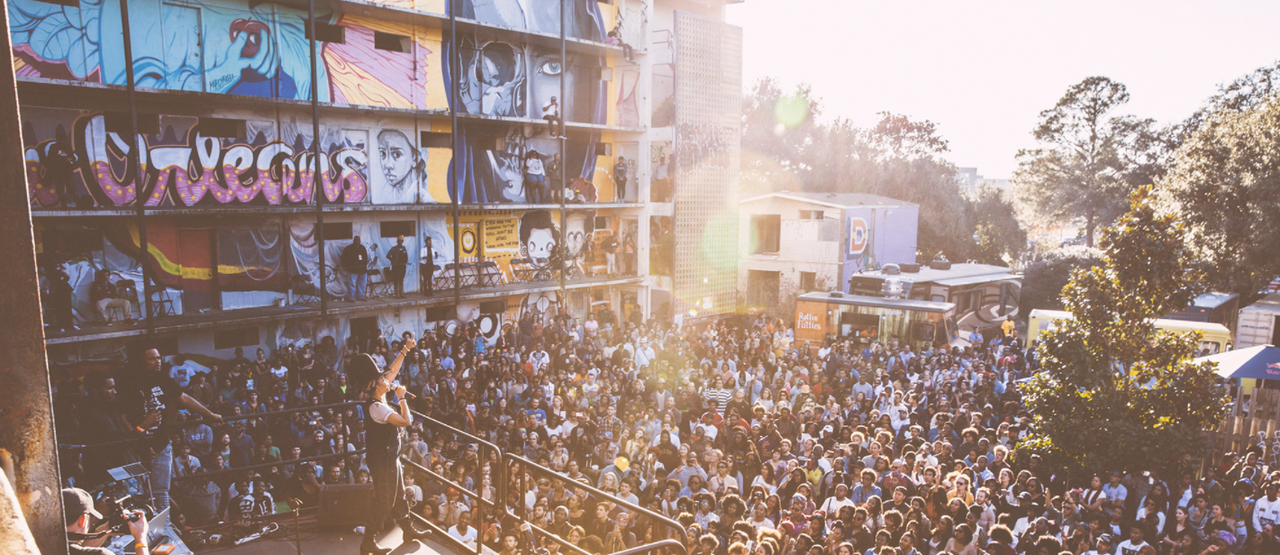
(754, 443)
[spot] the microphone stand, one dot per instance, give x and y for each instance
(295, 504)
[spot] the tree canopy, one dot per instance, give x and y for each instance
(1089, 158)
(1224, 180)
(1115, 393)
(786, 148)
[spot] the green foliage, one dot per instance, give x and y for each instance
(1044, 279)
(1000, 238)
(1089, 160)
(1115, 393)
(898, 158)
(1225, 181)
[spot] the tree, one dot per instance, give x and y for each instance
(999, 236)
(1225, 180)
(774, 151)
(785, 149)
(1043, 280)
(1115, 393)
(909, 166)
(1088, 160)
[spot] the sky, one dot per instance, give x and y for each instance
(984, 70)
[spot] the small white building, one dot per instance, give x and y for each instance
(794, 243)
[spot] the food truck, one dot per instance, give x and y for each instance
(1214, 338)
(836, 315)
(984, 295)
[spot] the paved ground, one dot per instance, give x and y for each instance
(325, 542)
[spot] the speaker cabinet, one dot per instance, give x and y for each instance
(345, 505)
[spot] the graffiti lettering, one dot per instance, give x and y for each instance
(186, 174)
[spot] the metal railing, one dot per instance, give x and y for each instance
(501, 508)
(544, 471)
(225, 420)
(480, 502)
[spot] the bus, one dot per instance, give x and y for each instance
(1214, 338)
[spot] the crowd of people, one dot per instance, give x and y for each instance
(756, 444)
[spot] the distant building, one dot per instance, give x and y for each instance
(969, 180)
(792, 243)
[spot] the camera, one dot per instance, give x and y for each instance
(119, 510)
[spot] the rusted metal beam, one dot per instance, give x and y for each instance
(26, 405)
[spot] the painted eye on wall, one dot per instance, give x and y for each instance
(549, 67)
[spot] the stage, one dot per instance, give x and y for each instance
(327, 542)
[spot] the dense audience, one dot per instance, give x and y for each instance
(755, 444)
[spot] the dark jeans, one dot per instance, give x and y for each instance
(425, 272)
(553, 125)
(397, 279)
(388, 496)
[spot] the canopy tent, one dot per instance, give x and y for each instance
(1261, 362)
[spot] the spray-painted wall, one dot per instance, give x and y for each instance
(80, 159)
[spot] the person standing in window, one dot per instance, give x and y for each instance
(399, 259)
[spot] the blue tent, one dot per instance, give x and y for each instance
(1262, 363)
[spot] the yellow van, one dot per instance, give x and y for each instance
(1214, 338)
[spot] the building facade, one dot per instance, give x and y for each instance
(795, 243)
(509, 150)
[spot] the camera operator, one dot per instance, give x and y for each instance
(77, 510)
(150, 403)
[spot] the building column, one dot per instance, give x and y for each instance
(26, 407)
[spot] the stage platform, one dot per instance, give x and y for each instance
(328, 542)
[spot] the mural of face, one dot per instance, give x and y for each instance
(494, 81)
(402, 168)
(544, 71)
(578, 228)
(538, 236)
(397, 155)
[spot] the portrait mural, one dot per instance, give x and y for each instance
(81, 158)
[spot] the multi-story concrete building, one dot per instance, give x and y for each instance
(794, 243)
(431, 122)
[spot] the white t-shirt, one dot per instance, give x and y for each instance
(380, 412)
(832, 505)
(469, 538)
(1127, 547)
(279, 372)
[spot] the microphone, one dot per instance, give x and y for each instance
(409, 396)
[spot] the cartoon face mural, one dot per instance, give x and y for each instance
(578, 229)
(538, 236)
(404, 170)
(260, 48)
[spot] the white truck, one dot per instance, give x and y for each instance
(1259, 323)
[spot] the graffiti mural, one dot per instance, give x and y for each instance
(241, 47)
(585, 21)
(97, 166)
(402, 178)
(260, 49)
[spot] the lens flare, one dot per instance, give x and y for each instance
(791, 110)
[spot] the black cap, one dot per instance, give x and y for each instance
(363, 371)
(77, 502)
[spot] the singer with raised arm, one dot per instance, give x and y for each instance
(382, 425)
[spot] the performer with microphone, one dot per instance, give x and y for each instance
(382, 441)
